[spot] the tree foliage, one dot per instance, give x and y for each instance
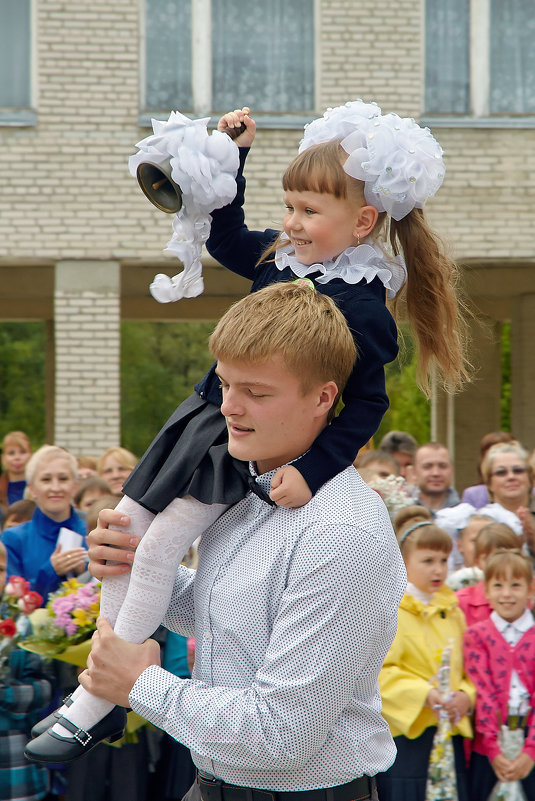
(22, 379)
(160, 364)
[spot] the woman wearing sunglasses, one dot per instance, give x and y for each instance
(509, 479)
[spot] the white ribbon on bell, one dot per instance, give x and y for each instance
(204, 166)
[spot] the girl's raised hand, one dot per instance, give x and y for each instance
(239, 126)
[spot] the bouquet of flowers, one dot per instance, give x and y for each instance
(464, 577)
(17, 602)
(62, 629)
(393, 491)
(441, 777)
(511, 739)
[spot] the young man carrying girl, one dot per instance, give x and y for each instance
(293, 610)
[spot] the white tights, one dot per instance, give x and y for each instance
(136, 602)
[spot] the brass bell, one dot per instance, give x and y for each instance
(156, 183)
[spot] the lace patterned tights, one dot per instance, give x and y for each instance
(135, 603)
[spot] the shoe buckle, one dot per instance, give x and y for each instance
(82, 736)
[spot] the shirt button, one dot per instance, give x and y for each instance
(207, 636)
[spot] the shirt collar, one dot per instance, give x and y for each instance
(260, 484)
(521, 625)
(424, 597)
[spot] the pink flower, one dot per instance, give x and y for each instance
(62, 605)
(70, 627)
(17, 586)
(29, 602)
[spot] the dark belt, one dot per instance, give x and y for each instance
(213, 789)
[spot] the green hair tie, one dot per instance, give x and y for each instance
(305, 282)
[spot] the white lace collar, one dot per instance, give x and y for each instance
(352, 265)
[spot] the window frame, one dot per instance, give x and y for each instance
(479, 89)
(25, 116)
(202, 73)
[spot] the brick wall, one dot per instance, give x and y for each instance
(67, 192)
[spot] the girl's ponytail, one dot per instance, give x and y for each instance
(434, 309)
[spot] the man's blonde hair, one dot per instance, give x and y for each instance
(301, 324)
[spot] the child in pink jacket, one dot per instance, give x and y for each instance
(473, 600)
(499, 655)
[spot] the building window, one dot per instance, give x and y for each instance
(479, 58)
(447, 68)
(512, 57)
(204, 56)
(15, 54)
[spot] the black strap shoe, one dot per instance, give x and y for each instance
(52, 748)
(51, 719)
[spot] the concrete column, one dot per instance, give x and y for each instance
(461, 421)
(87, 377)
(523, 370)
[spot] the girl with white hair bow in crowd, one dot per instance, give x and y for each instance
(353, 228)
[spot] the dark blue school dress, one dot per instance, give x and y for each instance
(189, 455)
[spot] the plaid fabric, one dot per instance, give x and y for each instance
(21, 699)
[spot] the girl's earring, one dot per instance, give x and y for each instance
(358, 239)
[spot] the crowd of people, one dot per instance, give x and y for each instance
(469, 561)
(41, 494)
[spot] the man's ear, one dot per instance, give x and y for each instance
(326, 397)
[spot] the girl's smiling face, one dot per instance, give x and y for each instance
(320, 226)
(427, 569)
(508, 595)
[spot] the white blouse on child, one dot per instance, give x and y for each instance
(352, 265)
(420, 595)
(513, 633)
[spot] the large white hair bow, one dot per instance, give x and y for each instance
(399, 162)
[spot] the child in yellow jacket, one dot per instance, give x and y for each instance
(429, 621)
